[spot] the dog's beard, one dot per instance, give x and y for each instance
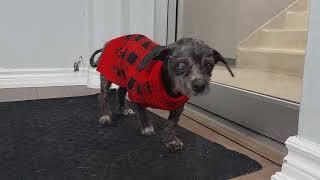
(180, 86)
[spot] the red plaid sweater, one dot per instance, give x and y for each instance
(124, 62)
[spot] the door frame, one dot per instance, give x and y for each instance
(269, 116)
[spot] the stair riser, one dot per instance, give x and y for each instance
(296, 20)
(291, 64)
(284, 39)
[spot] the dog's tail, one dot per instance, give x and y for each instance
(92, 62)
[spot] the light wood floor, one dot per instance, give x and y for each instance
(269, 168)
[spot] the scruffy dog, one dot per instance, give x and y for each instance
(162, 77)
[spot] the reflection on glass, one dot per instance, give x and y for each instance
(268, 61)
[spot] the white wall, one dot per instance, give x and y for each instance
(41, 39)
(52, 34)
(223, 24)
(111, 18)
(42, 33)
(105, 21)
(309, 120)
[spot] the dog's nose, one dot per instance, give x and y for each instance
(198, 85)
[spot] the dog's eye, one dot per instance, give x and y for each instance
(208, 66)
(181, 68)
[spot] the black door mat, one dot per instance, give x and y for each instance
(60, 139)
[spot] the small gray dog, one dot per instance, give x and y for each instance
(186, 69)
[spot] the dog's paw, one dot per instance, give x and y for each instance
(125, 111)
(173, 144)
(128, 112)
(148, 131)
(105, 120)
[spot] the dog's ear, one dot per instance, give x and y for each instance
(163, 53)
(218, 57)
(159, 53)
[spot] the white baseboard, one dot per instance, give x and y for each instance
(302, 161)
(48, 77)
(93, 79)
(42, 77)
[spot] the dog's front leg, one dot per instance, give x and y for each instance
(171, 142)
(146, 127)
(122, 107)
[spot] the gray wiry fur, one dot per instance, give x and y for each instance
(197, 61)
(195, 53)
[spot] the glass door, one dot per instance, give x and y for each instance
(264, 41)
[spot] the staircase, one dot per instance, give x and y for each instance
(279, 45)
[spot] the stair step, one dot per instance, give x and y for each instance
(284, 38)
(273, 50)
(286, 61)
(296, 20)
(301, 5)
(276, 84)
(285, 30)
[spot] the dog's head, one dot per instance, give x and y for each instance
(190, 64)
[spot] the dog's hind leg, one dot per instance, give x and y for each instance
(146, 127)
(105, 111)
(122, 107)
